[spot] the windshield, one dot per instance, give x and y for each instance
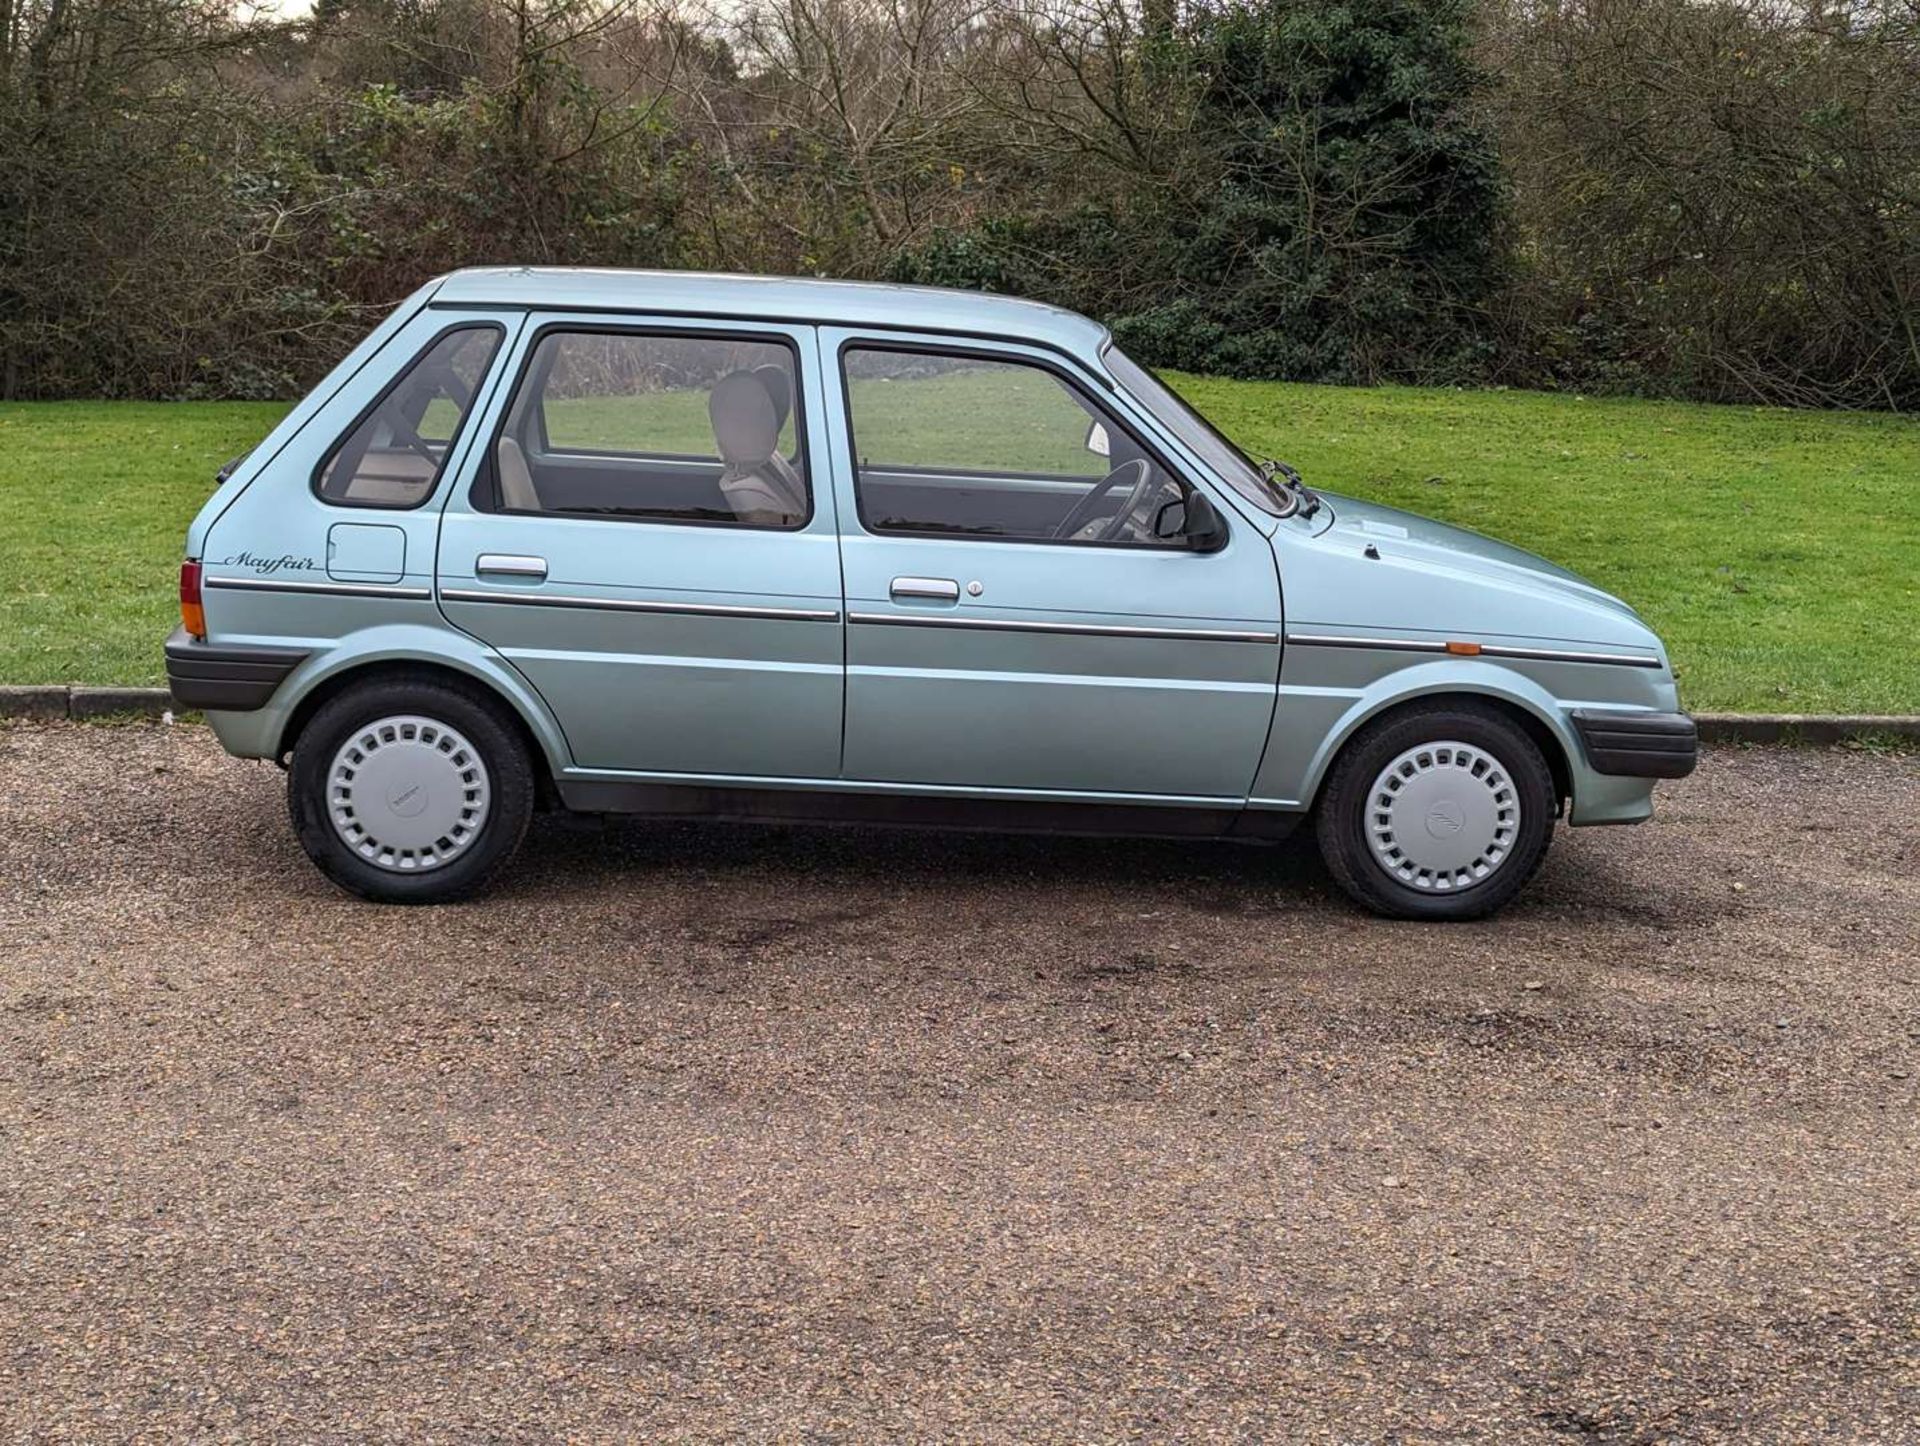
(1229, 463)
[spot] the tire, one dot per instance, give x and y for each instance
(428, 757)
(1439, 839)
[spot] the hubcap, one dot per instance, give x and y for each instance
(1443, 816)
(407, 794)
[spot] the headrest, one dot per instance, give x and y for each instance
(746, 427)
(780, 387)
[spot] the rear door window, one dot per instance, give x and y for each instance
(653, 426)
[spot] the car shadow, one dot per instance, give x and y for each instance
(573, 856)
(564, 854)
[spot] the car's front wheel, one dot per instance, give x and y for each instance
(1441, 810)
(410, 790)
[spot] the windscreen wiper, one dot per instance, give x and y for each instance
(1281, 475)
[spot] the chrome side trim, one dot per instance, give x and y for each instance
(637, 605)
(1082, 630)
(1385, 645)
(1487, 650)
(323, 589)
(1562, 655)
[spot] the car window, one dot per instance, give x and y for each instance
(954, 444)
(653, 426)
(393, 455)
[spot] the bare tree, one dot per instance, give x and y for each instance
(838, 101)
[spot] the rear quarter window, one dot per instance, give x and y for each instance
(393, 454)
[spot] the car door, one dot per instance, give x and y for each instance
(641, 538)
(1013, 620)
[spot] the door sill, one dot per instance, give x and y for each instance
(1005, 811)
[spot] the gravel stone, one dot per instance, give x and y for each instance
(694, 1132)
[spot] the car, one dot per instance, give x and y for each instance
(747, 547)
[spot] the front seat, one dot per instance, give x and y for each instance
(758, 483)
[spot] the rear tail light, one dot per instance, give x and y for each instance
(193, 617)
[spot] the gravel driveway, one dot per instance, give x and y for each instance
(693, 1131)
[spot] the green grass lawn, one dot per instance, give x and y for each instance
(1777, 552)
(95, 498)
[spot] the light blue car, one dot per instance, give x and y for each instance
(755, 548)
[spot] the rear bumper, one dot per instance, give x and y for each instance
(1638, 745)
(226, 677)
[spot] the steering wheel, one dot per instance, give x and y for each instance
(405, 432)
(1078, 514)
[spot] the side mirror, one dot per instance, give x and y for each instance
(1195, 518)
(1097, 440)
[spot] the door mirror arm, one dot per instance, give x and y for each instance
(1195, 518)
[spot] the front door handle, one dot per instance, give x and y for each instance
(505, 564)
(933, 589)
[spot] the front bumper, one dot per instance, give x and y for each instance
(226, 677)
(1637, 745)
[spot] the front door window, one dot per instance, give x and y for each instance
(964, 446)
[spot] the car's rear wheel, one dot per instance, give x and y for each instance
(1440, 810)
(410, 791)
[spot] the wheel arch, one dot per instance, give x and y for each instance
(473, 671)
(1516, 697)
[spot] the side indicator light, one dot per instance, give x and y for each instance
(193, 617)
(1464, 650)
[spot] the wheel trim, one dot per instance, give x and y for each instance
(1443, 817)
(408, 794)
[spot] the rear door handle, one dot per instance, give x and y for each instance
(934, 589)
(506, 564)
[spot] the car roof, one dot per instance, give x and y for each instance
(774, 298)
